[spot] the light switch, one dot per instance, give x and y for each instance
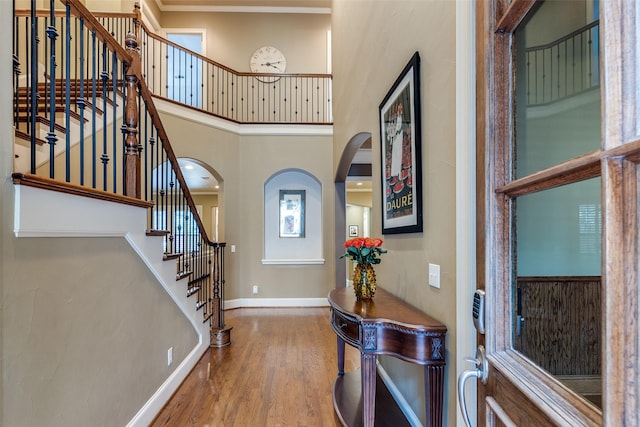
(233, 248)
(434, 275)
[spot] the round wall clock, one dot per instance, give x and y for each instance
(268, 59)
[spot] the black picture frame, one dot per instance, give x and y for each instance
(401, 153)
(291, 213)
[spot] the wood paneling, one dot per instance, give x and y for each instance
(562, 327)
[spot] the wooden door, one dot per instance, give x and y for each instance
(557, 185)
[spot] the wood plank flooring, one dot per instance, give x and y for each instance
(278, 371)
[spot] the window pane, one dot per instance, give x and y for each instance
(557, 283)
(557, 88)
(184, 70)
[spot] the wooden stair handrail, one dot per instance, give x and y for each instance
(78, 190)
(145, 94)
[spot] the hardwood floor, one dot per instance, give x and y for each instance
(278, 371)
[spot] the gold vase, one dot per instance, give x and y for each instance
(364, 281)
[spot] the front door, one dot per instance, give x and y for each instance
(558, 155)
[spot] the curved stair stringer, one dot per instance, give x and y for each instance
(71, 215)
(149, 249)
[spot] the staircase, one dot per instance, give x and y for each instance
(87, 133)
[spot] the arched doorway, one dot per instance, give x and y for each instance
(355, 162)
(207, 189)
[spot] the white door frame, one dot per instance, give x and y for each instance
(465, 345)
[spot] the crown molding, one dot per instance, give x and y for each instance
(243, 9)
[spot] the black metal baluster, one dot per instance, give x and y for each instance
(172, 207)
(105, 156)
(114, 124)
(67, 103)
(52, 138)
(141, 103)
(82, 100)
(16, 67)
(94, 84)
(163, 199)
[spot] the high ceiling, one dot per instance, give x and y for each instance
(249, 5)
(199, 179)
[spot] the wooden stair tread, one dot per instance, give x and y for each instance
(182, 274)
(171, 256)
(199, 279)
(25, 137)
(161, 233)
(192, 290)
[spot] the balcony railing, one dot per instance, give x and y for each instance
(179, 74)
(566, 67)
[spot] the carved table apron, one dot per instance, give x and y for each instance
(387, 325)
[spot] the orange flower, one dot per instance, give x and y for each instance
(364, 250)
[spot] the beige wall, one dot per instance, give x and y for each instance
(360, 198)
(233, 37)
(245, 163)
(371, 47)
(207, 201)
(78, 332)
(110, 5)
(6, 188)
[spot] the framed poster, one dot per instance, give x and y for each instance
(353, 231)
(292, 213)
(400, 138)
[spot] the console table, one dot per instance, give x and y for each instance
(385, 325)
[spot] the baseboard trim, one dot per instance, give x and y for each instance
(154, 405)
(275, 302)
(399, 398)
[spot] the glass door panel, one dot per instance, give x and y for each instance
(557, 89)
(557, 256)
(557, 286)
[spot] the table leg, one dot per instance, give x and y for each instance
(368, 372)
(434, 394)
(340, 356)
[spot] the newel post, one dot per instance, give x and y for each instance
(131, 184)
(220, 333)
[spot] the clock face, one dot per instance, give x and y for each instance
(268, 59)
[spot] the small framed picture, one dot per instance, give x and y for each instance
(292, 213)
(353, 231)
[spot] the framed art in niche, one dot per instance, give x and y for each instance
(292, 213)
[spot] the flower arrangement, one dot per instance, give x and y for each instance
(364, 250)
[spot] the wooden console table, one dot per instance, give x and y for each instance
(386, 325)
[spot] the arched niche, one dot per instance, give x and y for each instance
(287, 247)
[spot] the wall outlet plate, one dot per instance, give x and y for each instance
(434, 275)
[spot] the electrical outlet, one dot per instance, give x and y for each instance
(170, 356)
(255, 289)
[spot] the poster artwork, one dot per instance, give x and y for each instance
(399, 199)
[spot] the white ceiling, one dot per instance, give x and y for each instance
(199, 180)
